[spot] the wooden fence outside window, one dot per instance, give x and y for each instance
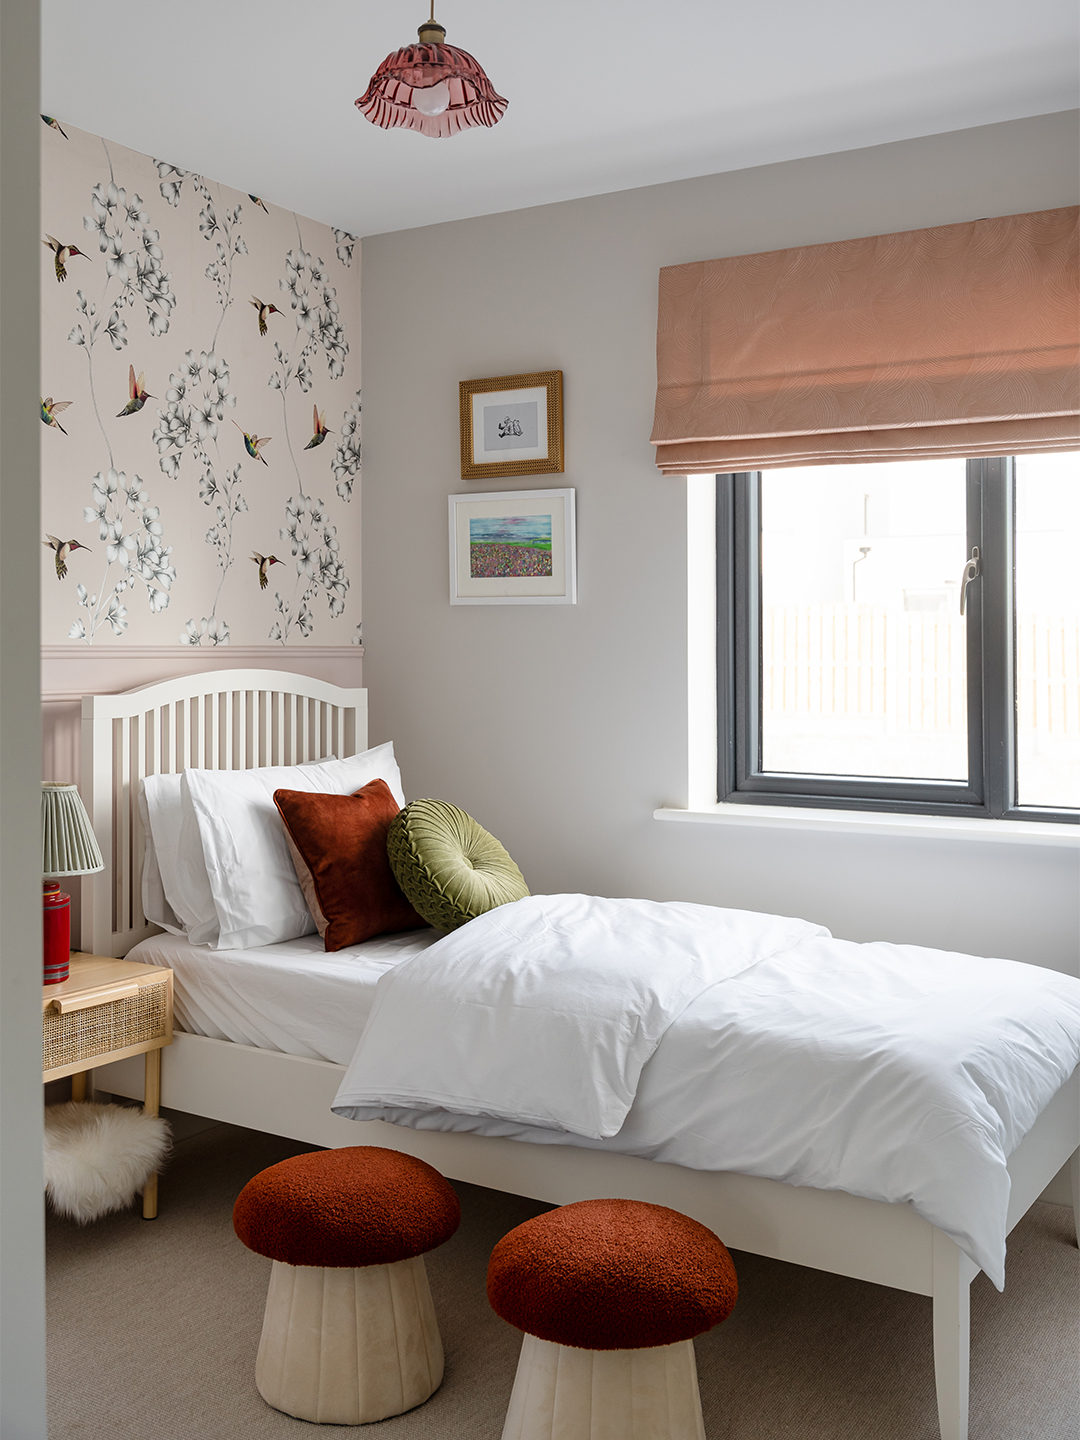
(904, 671)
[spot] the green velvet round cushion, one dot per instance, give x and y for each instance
(448, 866)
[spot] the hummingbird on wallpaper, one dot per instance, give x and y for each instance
(265, 310)
(137, 393)
(62, 549)
(50, 408)
(53, 123)
(256, 201)
(264, 562)
(63, 253)
(321, 431)
(253, 442)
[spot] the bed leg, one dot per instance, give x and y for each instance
(1074, 1177)
(953, 1274)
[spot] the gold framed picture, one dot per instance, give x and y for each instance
(512, 425)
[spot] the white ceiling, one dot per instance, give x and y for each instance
(604, 94)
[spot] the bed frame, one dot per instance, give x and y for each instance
(235, 719)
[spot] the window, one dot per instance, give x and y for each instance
(902, 636)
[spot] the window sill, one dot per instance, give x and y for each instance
(866, 822)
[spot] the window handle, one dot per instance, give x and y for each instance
(971, 569)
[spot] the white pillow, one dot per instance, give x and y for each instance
(256, 894)
(194, 898)
(173, 861)
(164, 813)
(155, 903)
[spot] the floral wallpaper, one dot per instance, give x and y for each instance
(200, 388)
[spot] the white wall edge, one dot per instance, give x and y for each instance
(701, 640)
(865, 822)
(22, 1233)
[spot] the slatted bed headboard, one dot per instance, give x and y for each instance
(219, 720)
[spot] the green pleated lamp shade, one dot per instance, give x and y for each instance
(68, 846)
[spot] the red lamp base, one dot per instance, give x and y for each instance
(56, 933)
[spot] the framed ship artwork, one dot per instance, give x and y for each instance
(512, 425)
(514, 547)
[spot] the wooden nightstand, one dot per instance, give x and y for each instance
(106, 1010)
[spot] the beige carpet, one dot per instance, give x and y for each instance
(153, 1328)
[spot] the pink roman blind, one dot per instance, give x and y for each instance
(960, 340)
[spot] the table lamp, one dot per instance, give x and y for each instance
(68, 847)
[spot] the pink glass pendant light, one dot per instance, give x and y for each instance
(431, 87)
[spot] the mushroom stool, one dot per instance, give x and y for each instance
(349, 1332)
(610, 1294)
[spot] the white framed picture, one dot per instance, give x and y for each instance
(513, 547)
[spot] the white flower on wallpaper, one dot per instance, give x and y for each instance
(222, 226)
(133, 256)
(195, 403)
(214, 632)
(318, 320)
(136, 556)
(314, 544)
(347, 454)
(345, 243)
(132, 531)
(199, 395)
(172, 179)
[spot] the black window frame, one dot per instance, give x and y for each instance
(990, 792)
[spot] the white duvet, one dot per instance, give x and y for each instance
(724, 1040)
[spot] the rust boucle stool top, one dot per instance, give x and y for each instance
(612, 1275)
(361, 1205)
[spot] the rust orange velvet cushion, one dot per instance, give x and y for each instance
(341, 839)
(612, 1275)
(361, 1205)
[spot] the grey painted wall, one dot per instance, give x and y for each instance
(561, 728)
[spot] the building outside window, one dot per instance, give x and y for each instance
(902, 636)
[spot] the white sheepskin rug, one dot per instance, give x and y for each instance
(98, 1156)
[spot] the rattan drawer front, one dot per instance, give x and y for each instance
(101, 1029)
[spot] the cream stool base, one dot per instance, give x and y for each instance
(562, 1393)
(345, 1347)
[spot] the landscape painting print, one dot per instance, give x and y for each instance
(510, 546)
(513, 547)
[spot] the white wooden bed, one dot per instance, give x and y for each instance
(235, 719)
